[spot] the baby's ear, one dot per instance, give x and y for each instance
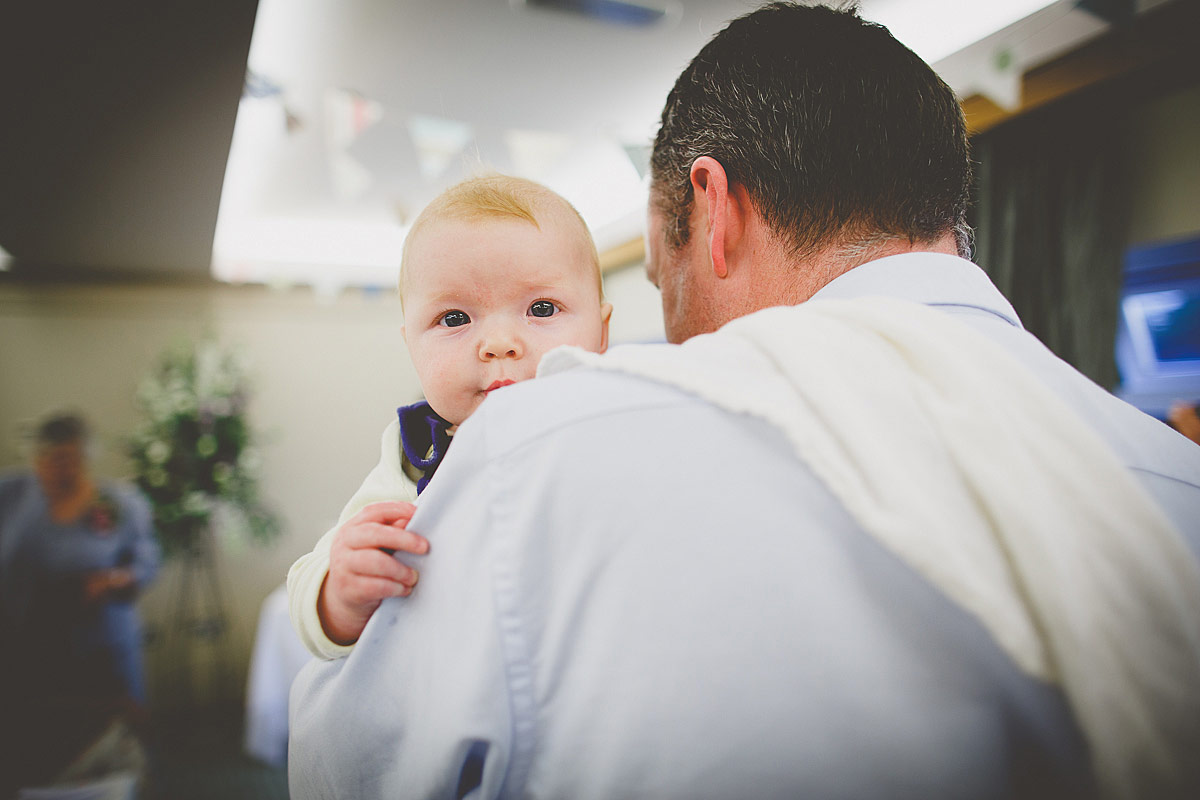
(605, 316)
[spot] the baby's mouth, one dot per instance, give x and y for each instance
(497, 384)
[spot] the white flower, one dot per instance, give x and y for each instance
(230, 524)
(158, 451)
(219, 407)
(222, 472)
(208, 369)
(250, 461)
(196, 503)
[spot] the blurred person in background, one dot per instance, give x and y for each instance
(75, 552)
(1185, 419)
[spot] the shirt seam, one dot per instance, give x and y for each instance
(1172, 478)
(973, 307)
(510, 628)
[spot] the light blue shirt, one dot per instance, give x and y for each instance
(42, 564)
(631, 593)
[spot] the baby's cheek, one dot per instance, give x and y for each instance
(592, 338)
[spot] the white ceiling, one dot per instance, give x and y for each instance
(374, 106)
(362, 110)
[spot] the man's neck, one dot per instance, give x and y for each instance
(812, 273)
(769, 274)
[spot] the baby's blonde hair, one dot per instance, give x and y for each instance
(496, 196)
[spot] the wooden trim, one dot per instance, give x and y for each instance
(1148, 48)
(623, 255)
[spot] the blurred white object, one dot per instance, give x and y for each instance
(277, 658)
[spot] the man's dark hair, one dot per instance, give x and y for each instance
(62, 428)
(839, 133)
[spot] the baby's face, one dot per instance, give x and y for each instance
(485, 299)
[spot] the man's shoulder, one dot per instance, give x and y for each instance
(128, 497)
(13, 484)
(534, 409)
(118, 488)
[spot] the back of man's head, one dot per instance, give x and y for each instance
(841, 135)
(63, 427)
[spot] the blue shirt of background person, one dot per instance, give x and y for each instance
(74, 554)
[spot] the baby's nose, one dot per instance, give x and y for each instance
(500, 342)
(499, 352)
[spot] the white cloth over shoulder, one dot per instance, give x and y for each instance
(951, 454)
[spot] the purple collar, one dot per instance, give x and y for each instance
(424, 438)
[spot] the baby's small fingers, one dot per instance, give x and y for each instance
(372, 590)
(405, 540)
(378, 564)
(374, 535)
(384, 513)
(366, 563)
(404, 573)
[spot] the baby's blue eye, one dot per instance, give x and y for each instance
(543, 308)
(452, 319)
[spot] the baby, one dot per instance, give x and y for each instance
(495, 272)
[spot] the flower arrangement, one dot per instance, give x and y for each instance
(193, 453)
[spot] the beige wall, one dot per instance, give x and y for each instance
(327, 376)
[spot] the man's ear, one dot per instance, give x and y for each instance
(710, 186)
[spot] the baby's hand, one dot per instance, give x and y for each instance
(362, 571)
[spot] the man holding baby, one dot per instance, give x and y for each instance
(855, 534)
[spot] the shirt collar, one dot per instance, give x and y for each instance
(933, 279)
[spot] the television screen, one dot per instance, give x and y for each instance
(1158, 338)
(1169, 324)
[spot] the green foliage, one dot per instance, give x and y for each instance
(193, 453)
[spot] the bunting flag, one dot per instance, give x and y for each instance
(535, 154)
(438, 142)
(639, 156)
(348, 114)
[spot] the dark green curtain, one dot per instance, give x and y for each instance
(1050, 213)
